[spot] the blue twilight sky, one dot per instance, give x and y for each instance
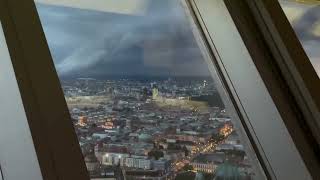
(87, 43)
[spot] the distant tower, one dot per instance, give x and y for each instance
(145, 93)
(205, 83)
(155, 93)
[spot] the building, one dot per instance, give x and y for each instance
(204, 167)
(100, 135)
(161, 165)
(228, 171)
(92, 163)
(147, 174)
(138, 162)
(83, 120)
(114, 159)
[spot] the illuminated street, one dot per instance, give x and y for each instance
(209, 147)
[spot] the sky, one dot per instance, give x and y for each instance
(158, 42)
(305, 19)
(86, 43)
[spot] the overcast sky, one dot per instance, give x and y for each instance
(87, 43)
(305, 19)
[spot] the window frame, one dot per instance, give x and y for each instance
(15, 133)
(39, 84)
(40, 90)
(294, 64)
(290, 67)
(261, 59)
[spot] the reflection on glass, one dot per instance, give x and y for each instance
(304, 16)
(143, 102)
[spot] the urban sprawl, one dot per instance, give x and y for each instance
(155, 129)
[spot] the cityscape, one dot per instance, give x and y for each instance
(141, 97)
(155, 128)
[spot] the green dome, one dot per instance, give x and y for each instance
(145, 137)
(199, 176)
(227, 171)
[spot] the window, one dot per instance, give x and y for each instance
(142, 92)
(304, 17)
(152, 89)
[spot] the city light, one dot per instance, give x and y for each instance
(141, 138)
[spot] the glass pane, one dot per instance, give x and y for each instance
(304, 17)
(141, 93)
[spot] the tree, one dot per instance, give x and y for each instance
(93, 126)
(186, 176)
(217, 137)
(172, 146)
(188, 167)
(186, 151)
(156, 154)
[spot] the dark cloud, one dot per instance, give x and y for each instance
(305, 25)
(306, 29)
(305, 19)
(91, 43)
